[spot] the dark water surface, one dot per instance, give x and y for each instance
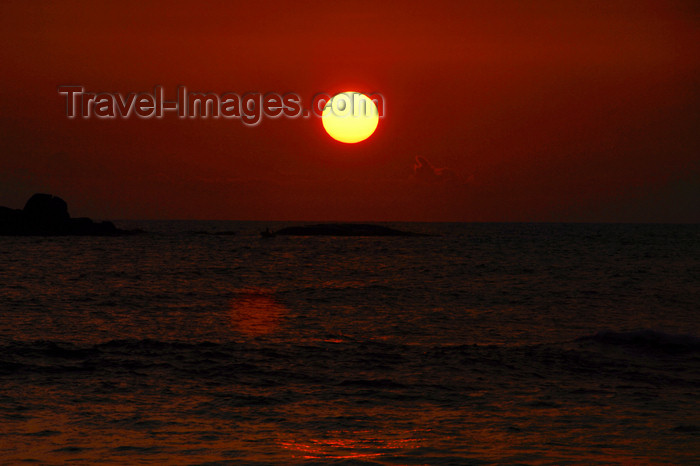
(493, 343)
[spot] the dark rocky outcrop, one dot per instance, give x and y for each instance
(343, 229)
(47, 215)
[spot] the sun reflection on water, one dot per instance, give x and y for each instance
(256, 312)
(349, 445)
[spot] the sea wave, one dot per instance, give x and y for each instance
(647, 339)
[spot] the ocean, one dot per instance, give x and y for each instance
(482, 344)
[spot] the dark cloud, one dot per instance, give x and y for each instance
(426, 172)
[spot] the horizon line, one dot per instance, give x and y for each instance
(544, 222)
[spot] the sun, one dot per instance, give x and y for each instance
(350, 117)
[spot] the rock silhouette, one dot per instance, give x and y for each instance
(45, 214)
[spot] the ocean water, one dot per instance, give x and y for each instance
(491, 343)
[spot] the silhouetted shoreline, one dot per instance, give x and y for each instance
(47, 215)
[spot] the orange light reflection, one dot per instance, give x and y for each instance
(348, 445)
(256, 312)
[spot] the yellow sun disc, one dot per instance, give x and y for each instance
(350, 117)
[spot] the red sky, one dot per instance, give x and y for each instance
(523, 111)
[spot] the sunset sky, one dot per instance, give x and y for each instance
(495, 111)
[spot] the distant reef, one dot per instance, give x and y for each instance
(47, 215)
(342, 229)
